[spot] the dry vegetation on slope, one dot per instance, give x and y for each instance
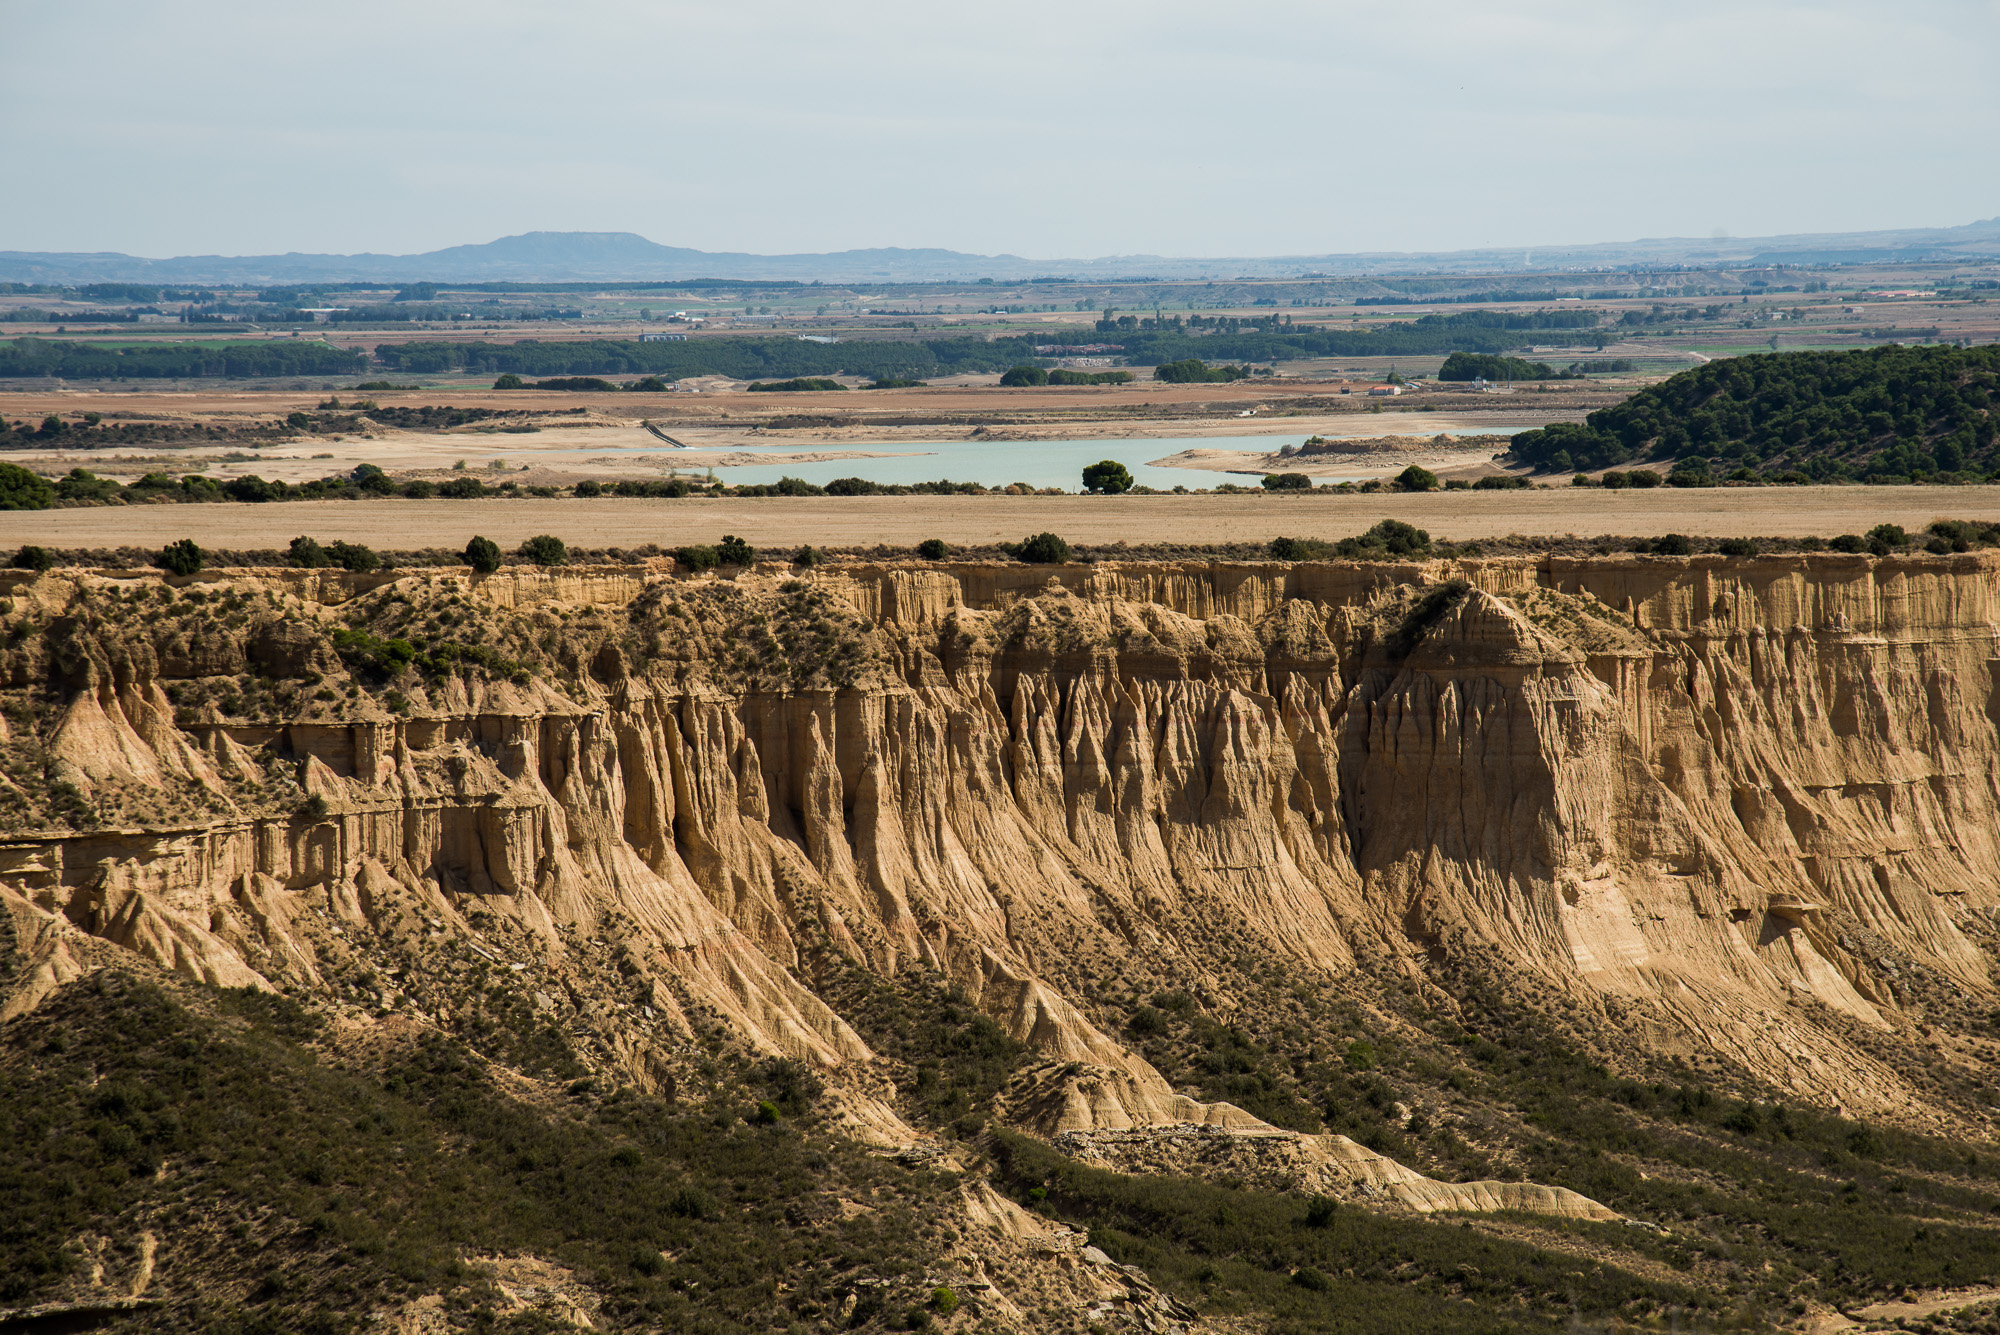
(1167, 897)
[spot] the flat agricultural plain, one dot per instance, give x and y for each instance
(779, 523)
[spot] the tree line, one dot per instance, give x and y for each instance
(86, 361)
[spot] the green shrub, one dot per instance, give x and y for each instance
(306, 554)
(807, 556)
(1016, 377)
(933, 549)
(1614, 479)
(353, 556)
(733, 551)
(22, 490)
(944, 1301)
(1045, 549)
(1672, 544)
(1736, 547)
(698, 557)
(313, 809)
(1642, 478)
(801, 384)
(1107, 477)
(1290, 482)
(544, 549)
(483, 555)
(767, 1113)
(589, 487)
(31, 557)
(509, 381)
(1889, 535)
(182, 557)
(1416, 478)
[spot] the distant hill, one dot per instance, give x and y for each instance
(629, 257)
(1886, 414)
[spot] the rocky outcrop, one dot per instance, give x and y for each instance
(1733, 803)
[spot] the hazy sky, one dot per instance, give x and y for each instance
(1093, 127)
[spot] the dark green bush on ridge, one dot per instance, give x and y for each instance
(1041, 549)
(1016, 377)
(483, 555)
(31, 557)
(545, 549)
(182, 557)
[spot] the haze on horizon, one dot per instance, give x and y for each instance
(1037, 129)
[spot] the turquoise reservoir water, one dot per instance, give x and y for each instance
(1039, 463)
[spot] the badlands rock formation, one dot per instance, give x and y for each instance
(1737, 809)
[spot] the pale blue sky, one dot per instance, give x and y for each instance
(1093, 127)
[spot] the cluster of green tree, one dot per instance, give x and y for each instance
(394, 313)
(797, 385)
(1662, 314)
(1603, 365)
(1487, 366)
(893, 382)
(1391, 539)
(86, 361)
(1893, 413)
(751, 357)
(1194, 371)
(1017, 376)
(1472, 331)
(29, 316)
(23, 490)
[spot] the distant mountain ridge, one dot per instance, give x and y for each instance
(629, 257)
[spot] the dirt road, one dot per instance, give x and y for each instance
(778, 522)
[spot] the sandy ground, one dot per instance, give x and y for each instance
(905, 520)
(1383, 457)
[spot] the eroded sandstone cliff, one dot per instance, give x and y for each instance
(1738, 810)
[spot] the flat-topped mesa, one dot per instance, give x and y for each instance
(1702, 791)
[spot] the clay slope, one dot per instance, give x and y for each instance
(1739, 809)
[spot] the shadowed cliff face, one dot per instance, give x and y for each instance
(1734, 809)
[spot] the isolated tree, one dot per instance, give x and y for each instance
(483, 555)
(1416, 478)
(182, 557)
(733, 551)
(509, 381)
(32, 557)
(1107, 477)
(1287, 482)
(1017, 376)
(545, 549)
(933, 549)
(1043, 549)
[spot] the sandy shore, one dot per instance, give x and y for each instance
(1375, 456)
(906, 520)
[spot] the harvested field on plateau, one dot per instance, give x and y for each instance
(905, 520)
